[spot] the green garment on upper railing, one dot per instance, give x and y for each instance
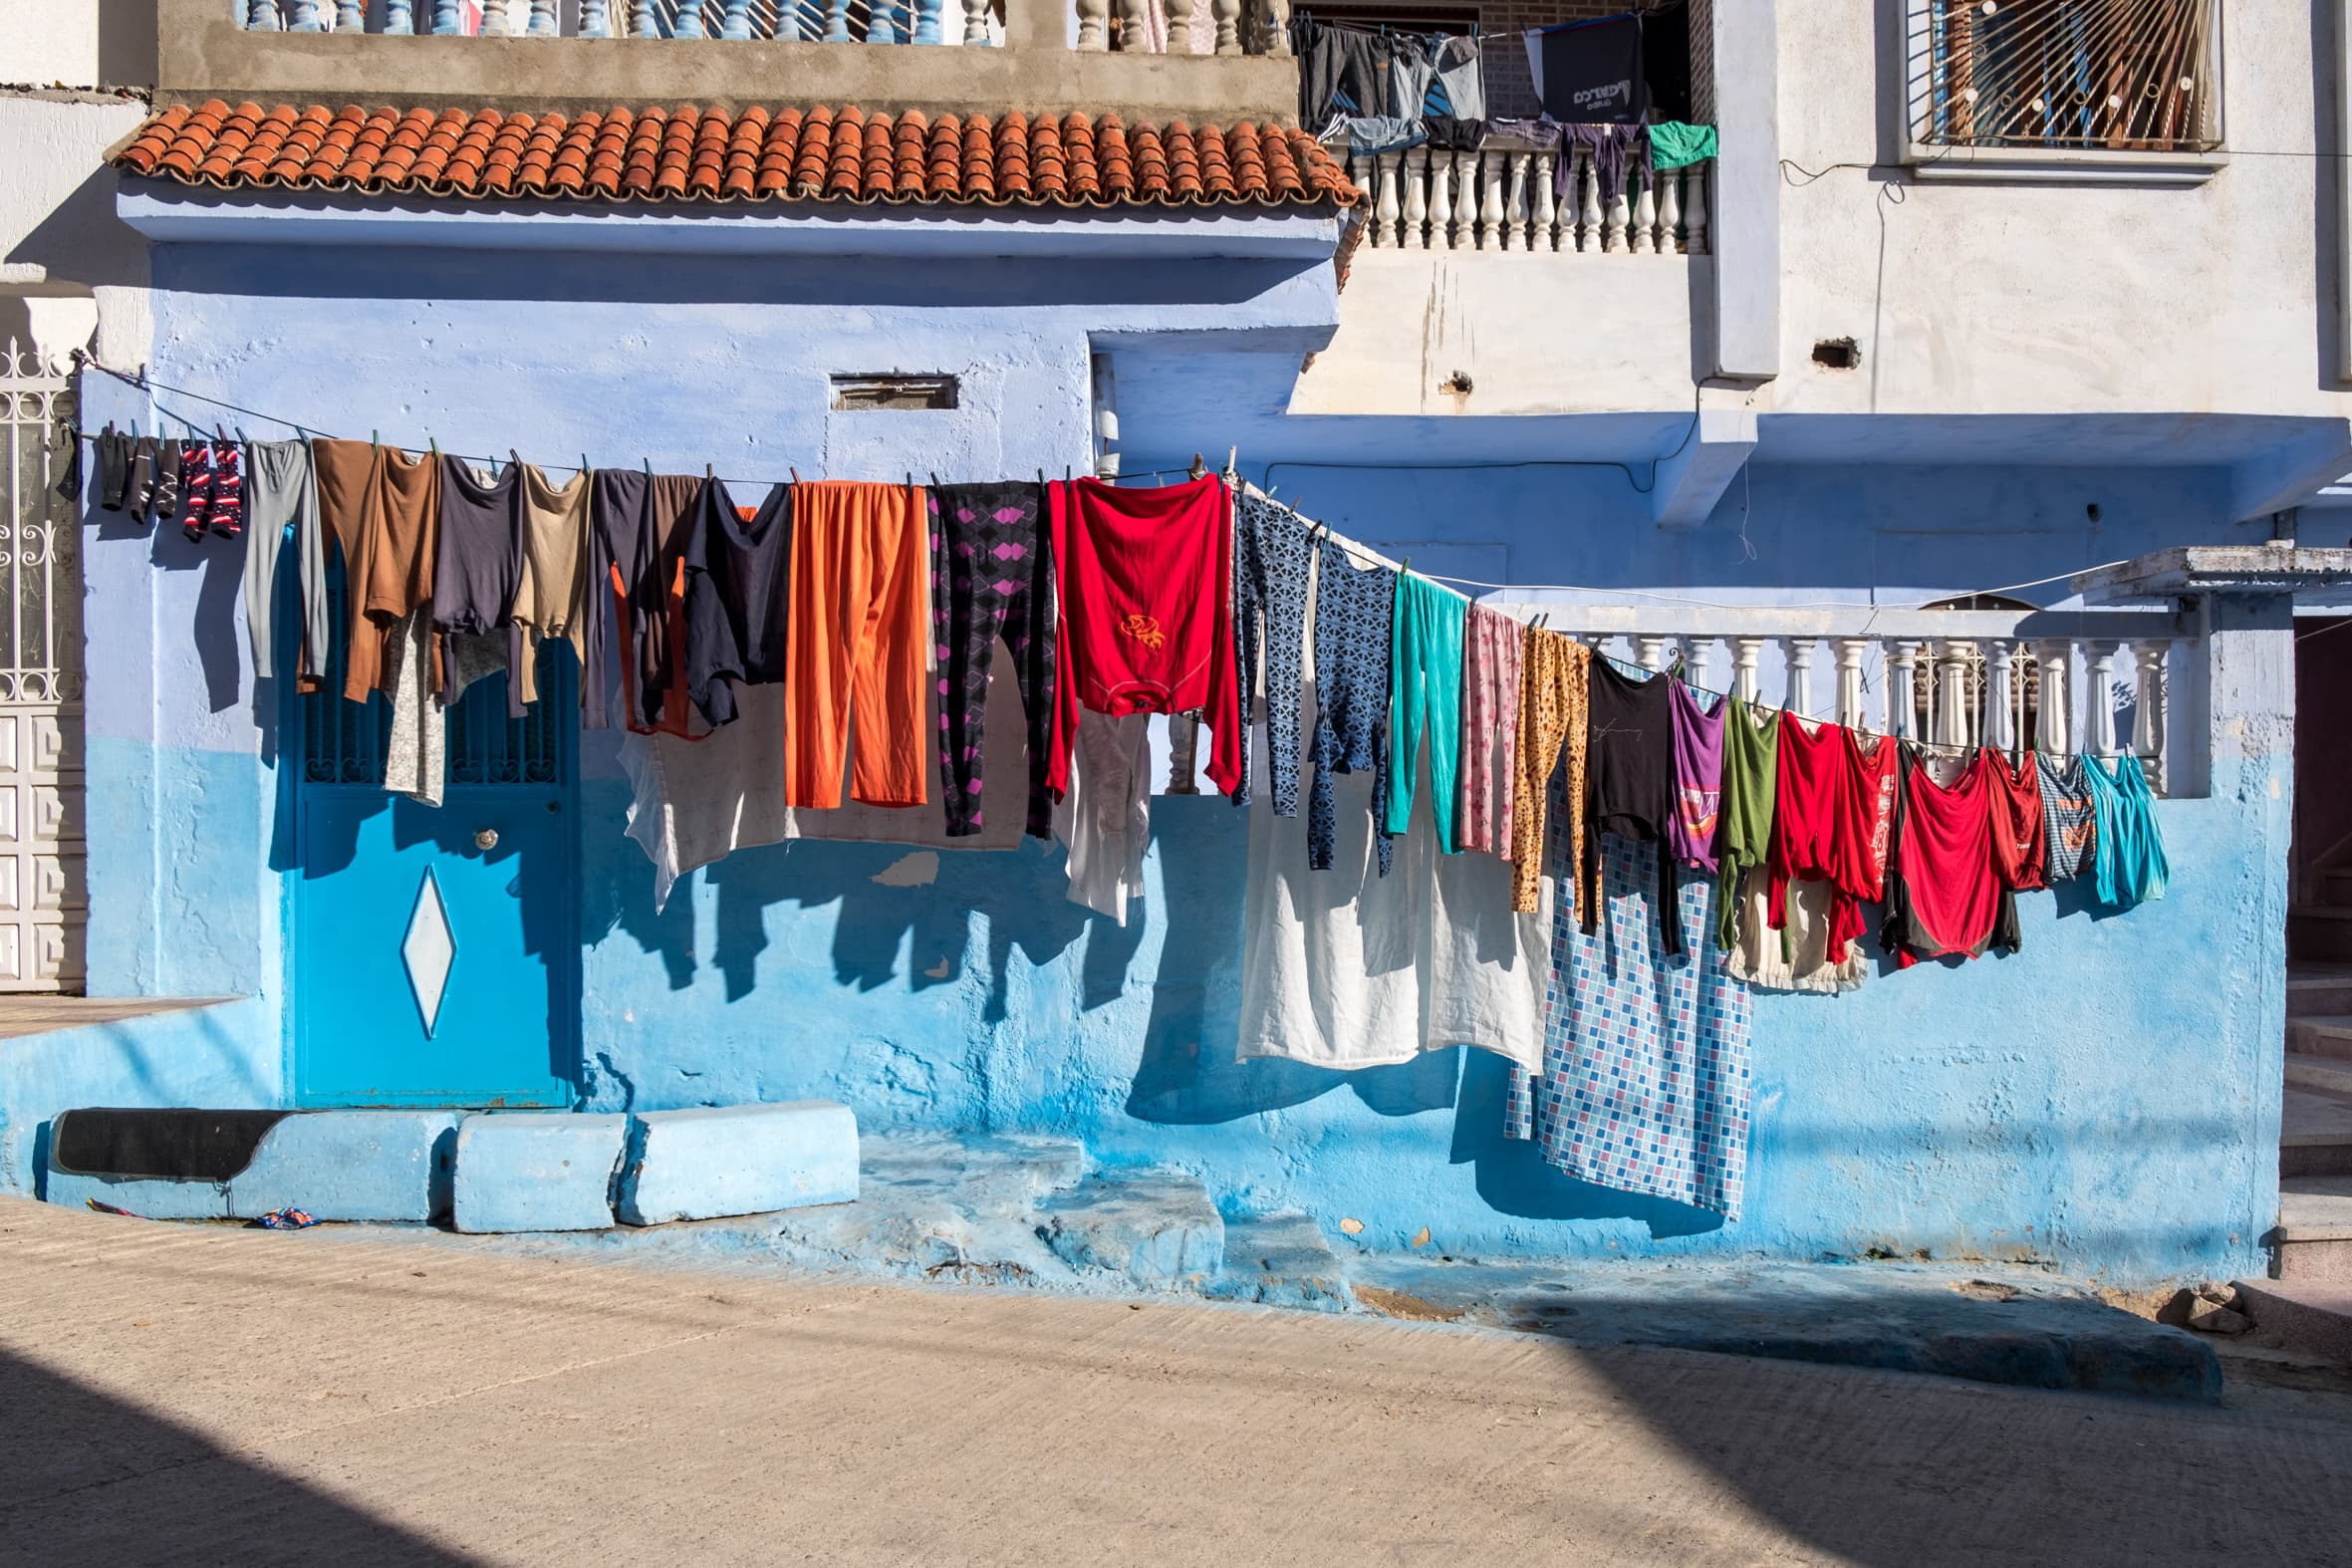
(1674, 144)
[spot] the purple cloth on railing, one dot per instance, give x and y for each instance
(1616, 149)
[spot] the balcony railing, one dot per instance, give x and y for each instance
(805, 21)
(1499, 199)
(1184, 27)
(1159, 26)
(2050, 679)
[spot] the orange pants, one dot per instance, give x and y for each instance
(854, 640)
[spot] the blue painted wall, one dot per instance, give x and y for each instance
(2107, 1100)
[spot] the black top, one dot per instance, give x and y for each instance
(479, 556)
(637, 526)
(738, 571)
(1629, 781)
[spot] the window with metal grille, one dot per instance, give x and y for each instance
(346, 742)
(2089, 74)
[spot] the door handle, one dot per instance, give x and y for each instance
(486, 838)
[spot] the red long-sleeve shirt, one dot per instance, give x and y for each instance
(1145, 580)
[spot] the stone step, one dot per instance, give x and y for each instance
(1155, 1229)
(935, 1206)
(1283, 1260)
(2315, 1230)
(537, 1170)
(2319, 932)
(711, 1162)
(2322, 1034)
(2318, 988)
(2304, 1071)
(2315, 1134)
(2316, 1319)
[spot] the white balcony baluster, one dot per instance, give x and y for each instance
(1669, 212)
(1620, 223)
(1389, 211)
(1417, 198)
(545, 24)
(1903, 691)
(1441, 200)
(595, 20)
(2101, 699)
(1799, 653)
(2147, 728)
(1092, 18)
(2001, 707)
(1745, 653)
(641, 23)
(2054, 719)
(1646, 222)
(1588, 222)
(1694, 211)
(1465, 200)
(1228, 15)
(261, 16)
(1131, 38)
(1650, 651)
(1848, 652)
(1545, 235)
(1491, 180)
(1515, 223)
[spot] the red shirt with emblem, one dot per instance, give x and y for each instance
(1146, 579)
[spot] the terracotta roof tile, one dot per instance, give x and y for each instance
(691, 154)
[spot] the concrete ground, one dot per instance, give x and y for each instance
(206, 1394)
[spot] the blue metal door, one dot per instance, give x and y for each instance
(435, 952)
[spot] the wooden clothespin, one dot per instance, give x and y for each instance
(795, 472)
(1199, 467)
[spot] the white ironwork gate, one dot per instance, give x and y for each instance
(43, 892)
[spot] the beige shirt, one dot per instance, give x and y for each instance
(551, 590)
(1803, 962)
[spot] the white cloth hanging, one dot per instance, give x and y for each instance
(1104, 819)
(1344, 968)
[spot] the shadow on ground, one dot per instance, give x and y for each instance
(106, 1483)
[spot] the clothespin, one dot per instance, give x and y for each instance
(1199, 468)
(649, 462)
(707, 476)
(1405, 566)
(795, 472)
(583, 462)
(1041, 478)
(373, 437)
(934, 478)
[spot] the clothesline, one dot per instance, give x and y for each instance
(1371, 557)
(1359, 551)
(1354, 548)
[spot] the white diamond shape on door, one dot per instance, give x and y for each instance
(429, 950)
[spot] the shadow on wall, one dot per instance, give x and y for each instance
(1188, 1072)
(110, 1483)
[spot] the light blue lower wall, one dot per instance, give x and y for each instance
(2108, 1100)
(225, 1056)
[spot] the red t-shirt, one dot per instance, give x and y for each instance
(2020, 833)
(1949, 888)
(1146, 579)
(1832, 813)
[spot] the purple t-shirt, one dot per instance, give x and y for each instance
(1698, 778)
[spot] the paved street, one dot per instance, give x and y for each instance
(217, 1395)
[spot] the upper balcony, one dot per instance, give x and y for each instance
(1224, 59)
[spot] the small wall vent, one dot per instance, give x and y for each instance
(894, 392)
